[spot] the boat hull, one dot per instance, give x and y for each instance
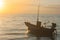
(39, 32)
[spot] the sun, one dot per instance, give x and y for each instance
(1, 4)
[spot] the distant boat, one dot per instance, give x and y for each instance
(40, 31)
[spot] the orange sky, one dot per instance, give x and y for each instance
(29, 6)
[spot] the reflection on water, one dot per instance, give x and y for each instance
(12, 27)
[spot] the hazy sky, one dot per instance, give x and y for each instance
(29, 6)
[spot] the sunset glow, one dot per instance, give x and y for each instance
(29, 6)
(1, 4)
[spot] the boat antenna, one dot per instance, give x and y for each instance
(38, 12)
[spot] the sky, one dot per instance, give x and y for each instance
(29, 6)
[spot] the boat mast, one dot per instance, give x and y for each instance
(38, 12)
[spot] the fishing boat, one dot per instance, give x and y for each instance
(40, 31)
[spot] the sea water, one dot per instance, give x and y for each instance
(12, 26)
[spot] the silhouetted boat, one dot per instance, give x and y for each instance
(40, 31)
